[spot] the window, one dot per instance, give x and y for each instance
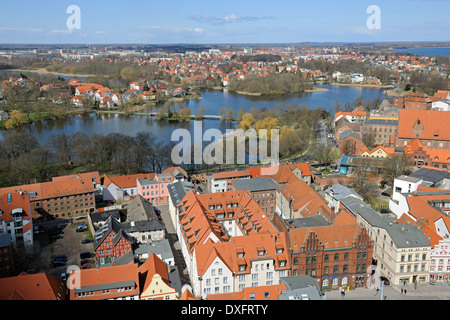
(336, 270)
(336, 257)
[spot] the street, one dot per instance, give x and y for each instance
(322, 134)
(439, 291)
(171, 235)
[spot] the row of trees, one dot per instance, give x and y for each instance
(297, 125)
(23, 160)
(280, 83)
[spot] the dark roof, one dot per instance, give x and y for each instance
(141, 209)
(178, 190)
(111, 225)
(104, 215)
(143, 226)
(382, 122)
(347, 133)
(314, 221)
(430, 175)
(256, 184)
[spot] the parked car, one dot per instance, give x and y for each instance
(385, 280)
(385, 210)
(85, 261)
(63, 276)
(55, 236)
(60, 257)
(85, 255)
(84, 241)
(58, 263)
(82, 229)
(385, 194)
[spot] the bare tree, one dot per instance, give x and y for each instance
(62, 146)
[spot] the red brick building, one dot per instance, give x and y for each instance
(350, 143)
(61, 198)
(413, 101)
(336, 255)
(431, 127)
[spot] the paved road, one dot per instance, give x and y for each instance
(322, 134)
(393, 292)
(174, 243)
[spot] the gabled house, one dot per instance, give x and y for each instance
(112, 242)
(247, 261)
(155, 281)
(121, 187)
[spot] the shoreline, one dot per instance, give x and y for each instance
(259, 94)
(369, 86)
(44, 71)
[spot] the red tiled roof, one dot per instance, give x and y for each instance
(39, 286)
(126, 181)
(430, 119)
(108, 275)
(231, 174)
(153, 265)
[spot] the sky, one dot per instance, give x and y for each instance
(231, 21)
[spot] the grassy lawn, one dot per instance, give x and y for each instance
(377, 202)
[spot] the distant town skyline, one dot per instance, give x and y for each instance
(200, 22)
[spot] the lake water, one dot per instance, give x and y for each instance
(443, 52)
(212, 101)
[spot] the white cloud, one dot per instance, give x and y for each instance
(20, 29)
(175, 29)
(229, 18)
(63, 31)
(100, 32)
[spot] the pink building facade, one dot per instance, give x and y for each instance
(155, 190)
(440, 261)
